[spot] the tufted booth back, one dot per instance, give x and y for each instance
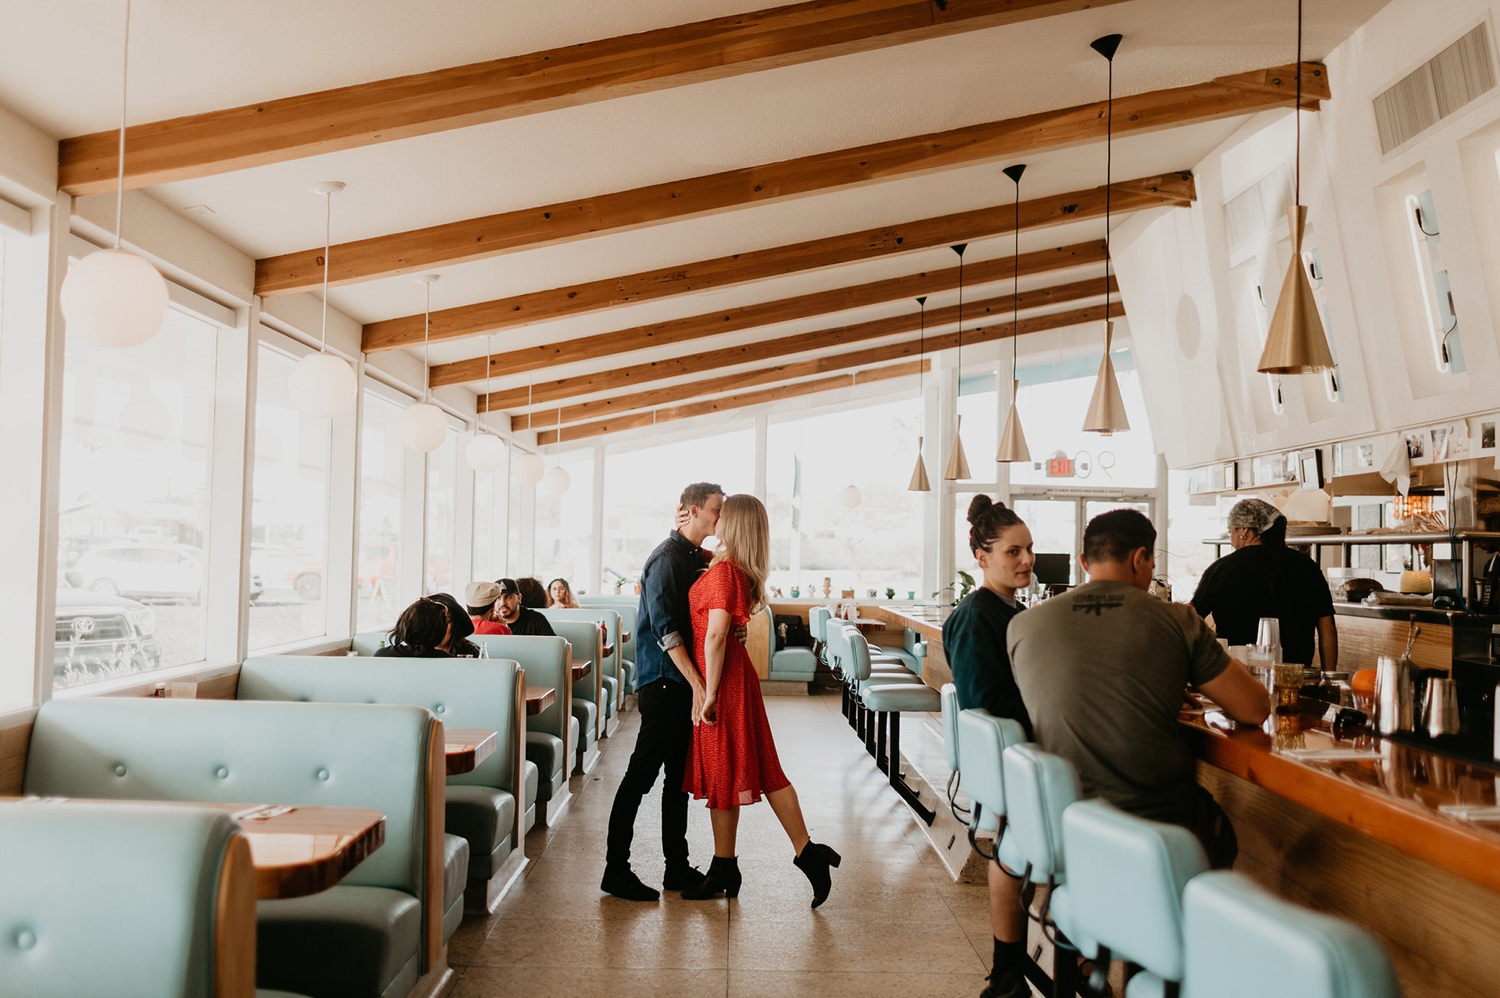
(108, 899)
(1243, 942)
(628, 607)
(345, 755)
(462, 692)
(584, 635)
(544, 659)
(1039, 786)
(611, 618)
(367, 643)
(1125, 879)
(982, 741)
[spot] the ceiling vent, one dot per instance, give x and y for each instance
(1460, 73)
(1258, 207)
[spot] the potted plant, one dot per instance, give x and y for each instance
(890, 592)
(959, 589)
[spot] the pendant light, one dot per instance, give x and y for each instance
(557, 480)
(485, 452)
(530, 467)
(1296, 342)
(1106, 415)
(112, 296)
(424, 427)
(919, 482)
(1013, 439)
(958, 465)
(322, 384)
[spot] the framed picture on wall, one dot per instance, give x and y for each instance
(1310, 468)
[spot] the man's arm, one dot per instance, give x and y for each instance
(1328, 643)
(1242, 698)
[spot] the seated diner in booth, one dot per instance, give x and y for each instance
(463, 627)
(521, 619)
(560, 595)
(483, 599)
(422, 631)
(533, 593)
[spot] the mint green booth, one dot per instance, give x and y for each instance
(377, 932)
(102, 899)
(588, 693)
(629, 608)
(480, 809)
(609, 666)
(550, 734)
(790, 665)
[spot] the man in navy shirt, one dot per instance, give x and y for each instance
(668, 686)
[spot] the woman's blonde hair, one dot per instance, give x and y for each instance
(744, 534)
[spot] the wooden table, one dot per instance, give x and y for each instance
(609, 650)
(581, 668)
(538, 699)
(302, 851)
(468, 747)
(624, 635)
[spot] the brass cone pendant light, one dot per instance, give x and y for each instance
(958, 465)
(1013, 439)
(1296, 342)
(919, 482)
(1106, 413)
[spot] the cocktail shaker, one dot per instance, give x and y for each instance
(1440, 708)
(1394, 695)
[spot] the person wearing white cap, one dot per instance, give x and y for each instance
(1262, 577)
(482, 600)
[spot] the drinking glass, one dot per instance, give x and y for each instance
(1268, 635)
(1261, 663)
(1288, 685)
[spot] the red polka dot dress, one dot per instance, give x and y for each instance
(734, 761)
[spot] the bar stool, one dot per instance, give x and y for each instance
(863, 675)
(1243, 942)
(982, 741)
(1125, 881)
(1039, 786)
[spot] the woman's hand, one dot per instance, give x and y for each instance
(708, 712)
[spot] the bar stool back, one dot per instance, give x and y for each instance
(1243, 942)
(1125, 878)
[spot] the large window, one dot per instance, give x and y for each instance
(565, 527)
(642, 486)
(491, 497)
(861, 538)
(134, 500)
(442, 515)
(382, 473)
(1052, 411)
(289, 519)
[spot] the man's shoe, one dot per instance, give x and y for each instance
(1006, 985)
(681, 879)
(623, 883)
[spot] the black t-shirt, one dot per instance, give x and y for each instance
(1253, 582)
(974, 644)
(531, 622)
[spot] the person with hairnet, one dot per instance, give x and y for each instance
(1262, 577)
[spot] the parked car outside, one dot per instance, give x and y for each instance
(99, 636)
(146, 571)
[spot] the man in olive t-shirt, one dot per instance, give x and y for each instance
(1103, 670)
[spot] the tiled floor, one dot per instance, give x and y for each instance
(895, 926)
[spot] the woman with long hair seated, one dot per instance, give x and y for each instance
(734, 760)
(422, 631)
(560, 595)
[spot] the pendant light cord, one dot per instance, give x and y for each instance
(1015, 288)
(1109, 129)
(1297, 196)
(426, 326)
(327, 246)
(124, 92)
(489, 342)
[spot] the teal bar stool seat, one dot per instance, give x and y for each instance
(1243, 942)
(982, 740)
(817, 626)
(1125, 880)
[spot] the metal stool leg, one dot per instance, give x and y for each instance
(898, 781)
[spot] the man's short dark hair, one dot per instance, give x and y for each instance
(697, 494)
(1113, 536)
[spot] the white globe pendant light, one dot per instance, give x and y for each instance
(114, 297)
(322, 384)
(485, 452)
(424, 426)
(556, 481)
(851, 496)
(530, 469)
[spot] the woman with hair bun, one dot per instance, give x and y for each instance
(974, 644)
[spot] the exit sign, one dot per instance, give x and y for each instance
(1060, 467)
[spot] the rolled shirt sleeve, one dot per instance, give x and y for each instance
(664, 587)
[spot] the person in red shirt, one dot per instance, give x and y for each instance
(482, 600)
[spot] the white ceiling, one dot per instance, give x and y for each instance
(196, 55)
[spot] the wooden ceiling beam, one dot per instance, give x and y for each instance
(777, 394)
(1167, 190)
(784, 372)
(695, 327)
(289, 128)
(567, 388)
(527, 228)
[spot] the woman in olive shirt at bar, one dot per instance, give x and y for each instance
(1263, 577)
(974, 644)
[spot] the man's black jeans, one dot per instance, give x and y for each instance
(664, 741)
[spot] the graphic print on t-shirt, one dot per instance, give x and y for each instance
(1097, 603)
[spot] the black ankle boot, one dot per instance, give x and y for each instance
(814, 861)
(723, 876)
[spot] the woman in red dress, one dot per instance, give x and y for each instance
(734, 756)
